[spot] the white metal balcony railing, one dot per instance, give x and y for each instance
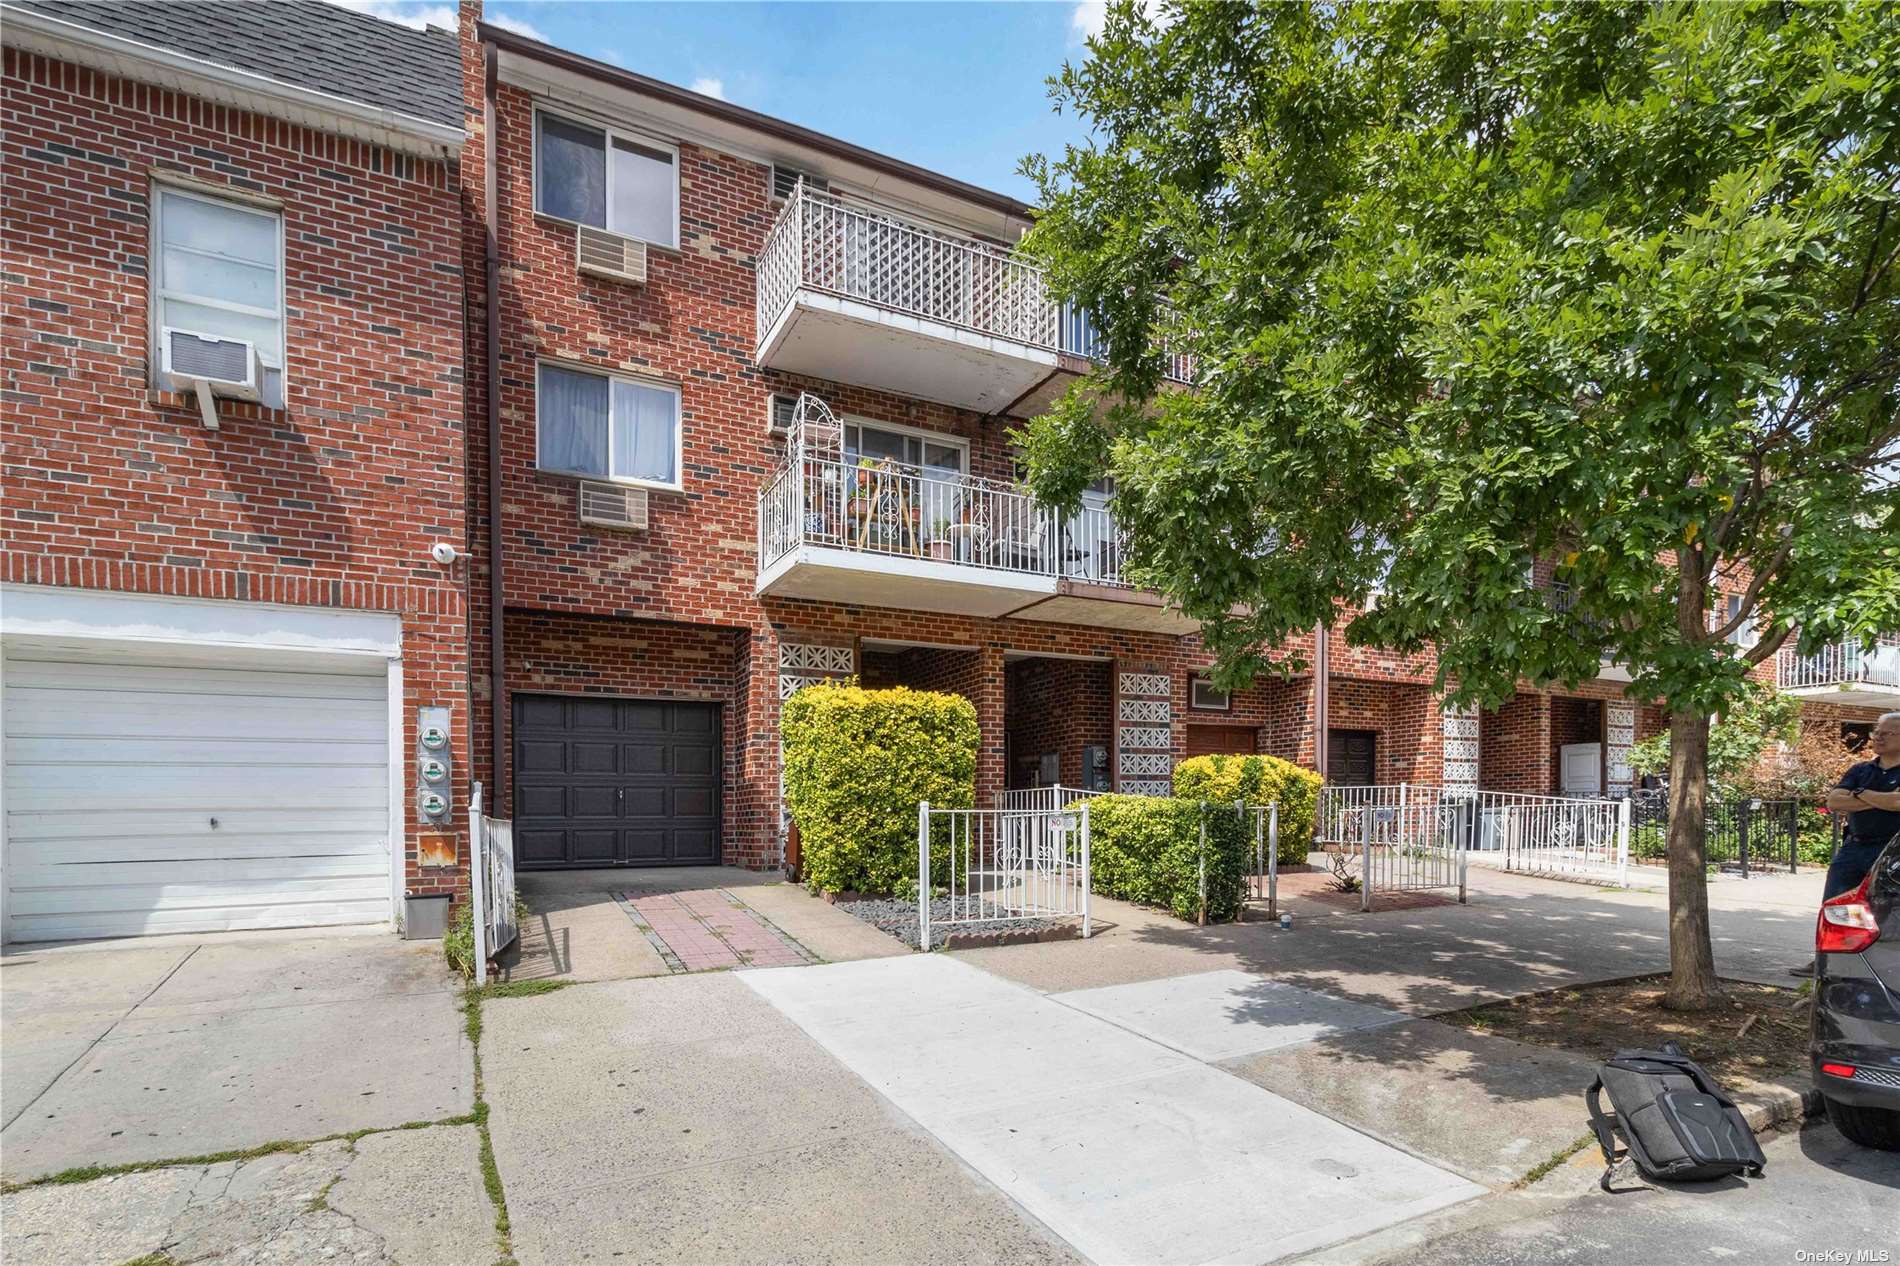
(1843, 664)
(905, 512)
(822, 243)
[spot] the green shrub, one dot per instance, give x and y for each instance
(1258, 780)
(857, 762)
(1147, 849)
(458, 942)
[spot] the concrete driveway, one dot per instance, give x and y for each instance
(116, 1052)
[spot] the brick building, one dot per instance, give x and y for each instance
(234, 428)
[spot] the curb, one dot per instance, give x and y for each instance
(1779, 1107)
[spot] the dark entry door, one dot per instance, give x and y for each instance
(1352, 757)
(1220, 740)
(615, 782)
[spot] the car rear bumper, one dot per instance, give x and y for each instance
(1857, 1023)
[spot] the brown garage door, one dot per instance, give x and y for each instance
(615, 782)
(1220, 740)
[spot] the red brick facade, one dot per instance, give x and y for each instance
(331, 502)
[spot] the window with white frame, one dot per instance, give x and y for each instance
(607, 427)
(610, 180)
(219, 273)
(1205, 696)
(940, 457)
(1729, 608)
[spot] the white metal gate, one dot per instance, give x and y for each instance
(491, 879)
(1407, 837)
(1565, 837)
(993, 865)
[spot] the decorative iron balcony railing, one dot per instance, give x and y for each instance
(822, 243)
(904, 512)
(1843, 664)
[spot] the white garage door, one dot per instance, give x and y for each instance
(147, 797)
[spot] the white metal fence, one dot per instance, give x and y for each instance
(1411, 836)
(902, 510)
(1567, 837)
(996, 865)
(1047, 798)
(491, 880)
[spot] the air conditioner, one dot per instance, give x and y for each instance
(780, 409)
(611, 506)
(210, 367)
(785, 181)
(598, 253)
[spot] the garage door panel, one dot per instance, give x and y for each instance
(56, 714)
(595, 758)
(646, 845)
(173, 787)
(696, 846)
(117, 679)
(203, 750)
(142, 797)
(540, 756)
(200, 845)
(593, 844)
(663, 774)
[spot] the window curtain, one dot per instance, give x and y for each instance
(571, 172)
(573, 421)
(646, 421)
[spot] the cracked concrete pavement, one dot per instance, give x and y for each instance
(402, 1196)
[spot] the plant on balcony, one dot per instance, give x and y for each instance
(857, 762)
(1614, 288)
(941, 546)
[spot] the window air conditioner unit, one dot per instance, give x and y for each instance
(209, 367)
(785, 180)
(780, 409)
(598, 253)
(611, 506)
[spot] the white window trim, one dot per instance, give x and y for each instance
(155, 272)
(658, 384)
(610, 131)
(1194, 703)
(898, 428)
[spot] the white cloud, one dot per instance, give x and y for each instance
(1087, 19)
(403, 13)
(519, 27)
(707, 86)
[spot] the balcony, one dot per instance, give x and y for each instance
(892, 536)
(1844, 672)
(847, 294)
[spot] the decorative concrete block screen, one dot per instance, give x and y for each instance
(1144, 734)
(1620, 735)
(1461, 747)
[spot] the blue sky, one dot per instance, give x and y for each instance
(958, 88)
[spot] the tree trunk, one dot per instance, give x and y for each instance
(1692, 982)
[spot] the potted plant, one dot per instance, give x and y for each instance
(941, 545)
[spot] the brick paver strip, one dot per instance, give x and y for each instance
(708, 929)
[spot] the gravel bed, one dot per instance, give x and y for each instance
(898, 918)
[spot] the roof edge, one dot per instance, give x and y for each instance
(392, 127)
(766, 124)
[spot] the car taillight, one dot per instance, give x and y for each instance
(1838, 1070)
(1847, 924)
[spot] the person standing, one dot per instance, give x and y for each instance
(1869, 794)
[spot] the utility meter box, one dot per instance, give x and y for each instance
(435, 781)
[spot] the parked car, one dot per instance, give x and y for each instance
(1855, 1044)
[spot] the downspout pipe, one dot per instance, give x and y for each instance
(497, 705)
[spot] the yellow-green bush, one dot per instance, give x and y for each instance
(1258, 780)
(857, 762)
(1147, 849)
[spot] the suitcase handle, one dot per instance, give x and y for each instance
(1601, 1126)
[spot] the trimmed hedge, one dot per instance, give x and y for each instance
(1258, 780)
(1147, 849)
(857, 762)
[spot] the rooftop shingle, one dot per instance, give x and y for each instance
(306, 43)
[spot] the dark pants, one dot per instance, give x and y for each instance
(1850, 866)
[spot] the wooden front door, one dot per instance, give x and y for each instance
(1220, 740)
(1352, 757)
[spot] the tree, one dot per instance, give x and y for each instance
(1601, 291)
(1742, 747)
